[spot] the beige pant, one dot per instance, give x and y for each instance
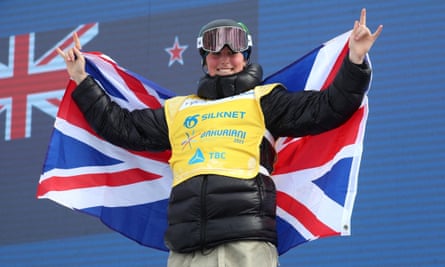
(232, 254)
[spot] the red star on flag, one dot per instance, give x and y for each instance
(175, 52)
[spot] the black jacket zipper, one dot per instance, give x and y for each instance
(203, 212)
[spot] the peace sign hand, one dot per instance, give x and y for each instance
(361, 39)
(74, 60)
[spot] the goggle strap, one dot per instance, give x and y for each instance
(199, 42)
(249, 40)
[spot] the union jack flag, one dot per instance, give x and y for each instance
(27, 82)
(316, 176)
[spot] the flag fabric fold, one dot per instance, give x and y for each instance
(316, 176)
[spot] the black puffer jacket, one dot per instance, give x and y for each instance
(208, 210)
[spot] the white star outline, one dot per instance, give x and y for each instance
(175, 52)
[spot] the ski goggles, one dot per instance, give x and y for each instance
(213, 40)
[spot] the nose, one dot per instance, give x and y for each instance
(225, 54)
(224, 58)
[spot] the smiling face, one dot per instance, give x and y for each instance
(225, 62)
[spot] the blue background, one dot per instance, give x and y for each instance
(399, 215)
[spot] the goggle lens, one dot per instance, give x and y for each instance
(215, 39)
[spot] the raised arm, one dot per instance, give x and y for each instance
(144, 129)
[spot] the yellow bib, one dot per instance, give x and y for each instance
(216, 136)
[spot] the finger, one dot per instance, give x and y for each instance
(377, 33)
(76, 41)
(356, 25)
(61, 53)
(359, 34)
(70, 54)
(355, 28)
(359, 31)
(363, 16)
(76, 52)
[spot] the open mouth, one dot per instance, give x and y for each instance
(225, 70)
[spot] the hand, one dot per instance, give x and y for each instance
(75, 61)
(361, 39)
